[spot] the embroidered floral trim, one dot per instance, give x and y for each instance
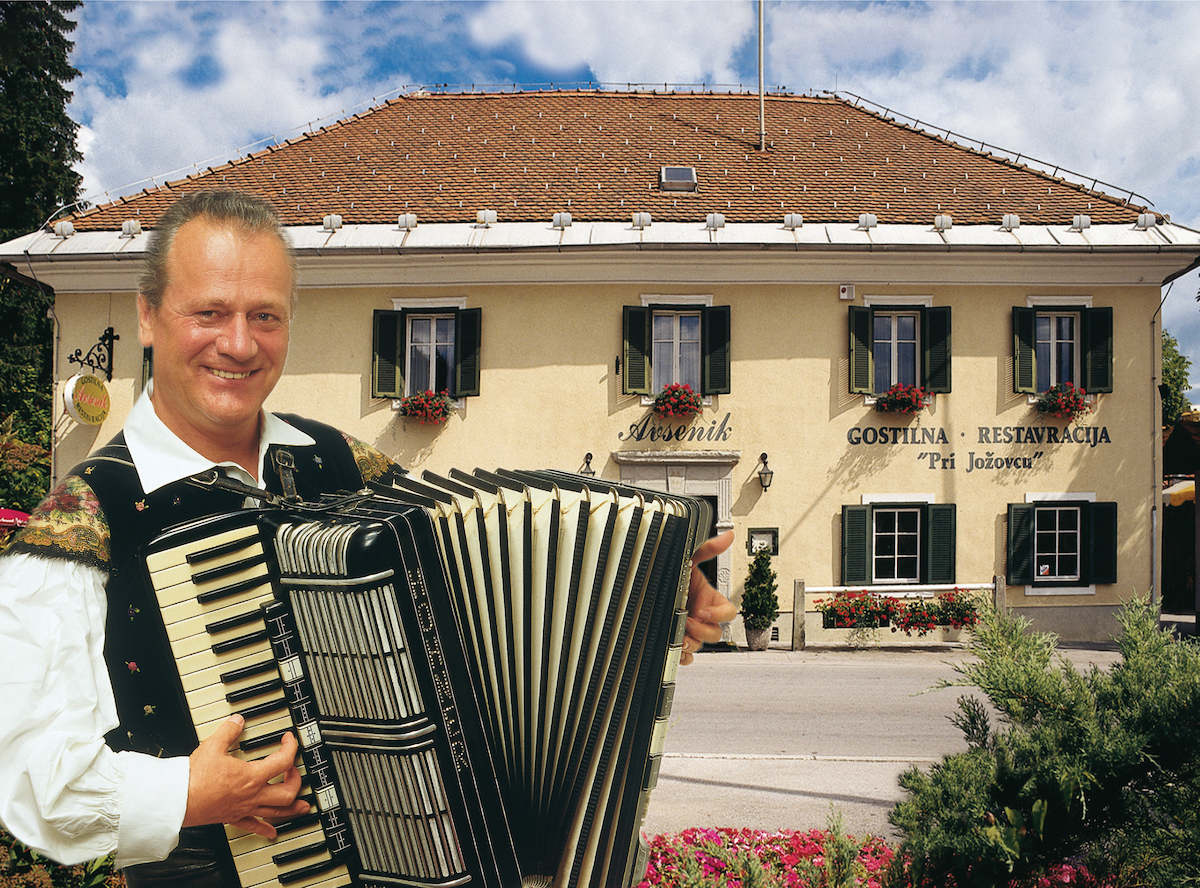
(69, 524)
(371, 463)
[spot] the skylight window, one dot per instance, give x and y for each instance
(677, 179)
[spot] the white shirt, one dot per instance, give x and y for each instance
(63, 792)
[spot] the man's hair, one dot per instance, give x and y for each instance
(247, 214)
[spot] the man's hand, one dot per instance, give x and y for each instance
(707, 608)
(224, 789)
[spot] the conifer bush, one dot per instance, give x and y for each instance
(1097, 771)
(760, 604)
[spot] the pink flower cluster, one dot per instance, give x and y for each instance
(1070, 874)
(790, 859)
(717, 858)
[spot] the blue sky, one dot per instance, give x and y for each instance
(1105, 89)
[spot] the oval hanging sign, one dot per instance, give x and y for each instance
(87, 399)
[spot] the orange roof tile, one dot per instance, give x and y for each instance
(528, 155)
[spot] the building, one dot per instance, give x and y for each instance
(554, 258)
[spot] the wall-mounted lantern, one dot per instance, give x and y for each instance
(765, 475)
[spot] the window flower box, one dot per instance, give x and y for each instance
(866, 610)
(427, 407)
(902, 398)
(1064, 401)
(855, 610)
(677, 401)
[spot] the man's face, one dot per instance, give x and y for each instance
(220, 336)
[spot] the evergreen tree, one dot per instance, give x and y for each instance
(760, 605)
(37, 149)
(1175, 381)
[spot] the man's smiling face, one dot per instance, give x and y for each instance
(220, 336)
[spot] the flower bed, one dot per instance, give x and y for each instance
(746, 858)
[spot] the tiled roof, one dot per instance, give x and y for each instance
(597, 155)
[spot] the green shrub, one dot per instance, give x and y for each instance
(1099, 768)
(22, 868)
(760, 605)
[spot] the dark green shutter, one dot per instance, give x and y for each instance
(467, 339)
(635, 376)
(1097, 349)
(1103, 543)
(387, 343)
(860, 350)
(940, 543)
(1020, 544)
(936, 353)
(714, 342)
(1024, 351)
(856, 545)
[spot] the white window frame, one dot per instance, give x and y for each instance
(656, 300)
(430, 305)
(431, 369)
(1052, 358)
(895, 509)
(1050, 498)
(888, 302)
(893, 368)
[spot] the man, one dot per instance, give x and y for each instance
(90, 760)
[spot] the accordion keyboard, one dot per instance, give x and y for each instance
(210, 591)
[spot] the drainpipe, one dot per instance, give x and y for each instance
(1155, 471)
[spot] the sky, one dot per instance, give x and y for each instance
(1106, 90)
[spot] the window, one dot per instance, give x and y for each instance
(895, 347)
(430, 354)
(892, 543)
(677, 179)
(1057, 344)
(675, 354)
(899, 344)
(416, 350)
(1062, 543)
(666, 344)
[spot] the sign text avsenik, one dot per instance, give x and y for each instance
(648, 430)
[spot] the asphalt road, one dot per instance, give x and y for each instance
(774, 740)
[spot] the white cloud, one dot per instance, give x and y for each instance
(148, 113)
(1104, 89)
(624, 42)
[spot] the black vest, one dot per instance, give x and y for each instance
(152, 712)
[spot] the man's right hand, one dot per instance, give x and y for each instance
(224, 789)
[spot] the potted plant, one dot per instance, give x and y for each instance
(677, 401)
(1064, 401)
(902, 398)
(427, 407)
(760, 605)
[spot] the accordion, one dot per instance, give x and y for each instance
(479, 669)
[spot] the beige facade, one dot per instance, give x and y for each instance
(551, 391)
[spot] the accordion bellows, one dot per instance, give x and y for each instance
(479, 669)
